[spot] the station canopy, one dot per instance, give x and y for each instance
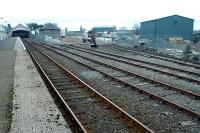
(20, 27)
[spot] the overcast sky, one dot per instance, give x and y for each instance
(89, 13)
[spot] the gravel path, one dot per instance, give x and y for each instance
(155, 115)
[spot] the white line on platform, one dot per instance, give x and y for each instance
(23, 46)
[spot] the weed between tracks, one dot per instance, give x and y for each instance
(9, 107)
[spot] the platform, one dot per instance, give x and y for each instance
(7, 65)
(33, 107)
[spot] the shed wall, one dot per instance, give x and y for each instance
(174, 26)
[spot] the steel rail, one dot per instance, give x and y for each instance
(78, 126)
(147, 67)
(133, 122)
(172, 57)
(189, 79)
(197, 66)
(128, 58)
(151, 95)
(184, 92)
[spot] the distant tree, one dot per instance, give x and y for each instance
(187, 53)
(40, 26)
(55, 24)
(83, 29)
(34, 26)
(136, 28)
(123, 28)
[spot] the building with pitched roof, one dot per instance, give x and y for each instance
(50, 30)
(174, 26)
(20, 31)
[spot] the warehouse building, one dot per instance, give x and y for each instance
(168, 27)
(50, 30)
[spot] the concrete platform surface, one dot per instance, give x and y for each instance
(33, 108)
(7, 63)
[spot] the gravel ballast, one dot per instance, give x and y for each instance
(185, 85)
(154, 114)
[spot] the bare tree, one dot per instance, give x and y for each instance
(123, 28)
(136, 28)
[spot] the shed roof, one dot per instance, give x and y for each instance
(20, 27)
(104, 28)
(50, 26)
(168, 17)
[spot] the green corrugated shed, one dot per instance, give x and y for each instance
(171, 26)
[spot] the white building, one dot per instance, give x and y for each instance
(3, 34)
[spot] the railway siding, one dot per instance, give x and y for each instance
(174, 60)
(139, 72)
(61, 58)
(93, 116)
(134, 60)
(147, 92)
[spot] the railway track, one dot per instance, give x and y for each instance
(145, 90)
(195, 96)
(129, 73)
(172, 71)
(120, 79)
(86, 110)
(174, 60)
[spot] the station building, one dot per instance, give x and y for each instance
(20, 31)
(174, 26)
